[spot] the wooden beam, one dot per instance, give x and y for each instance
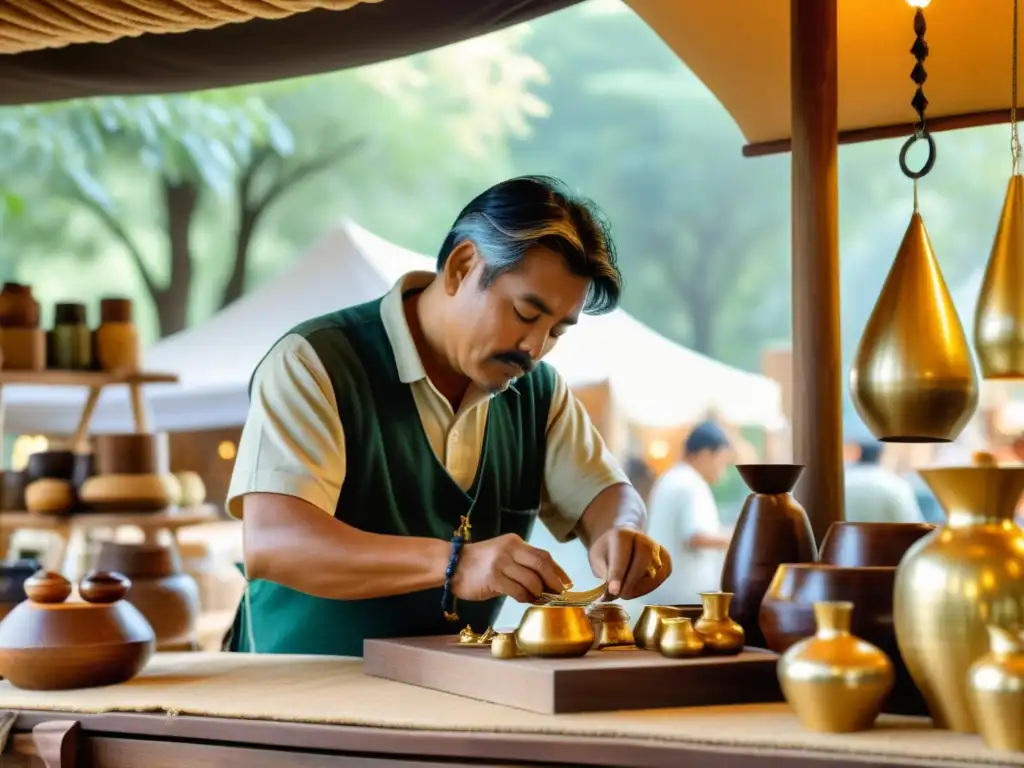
(903, 130)
(817, 358)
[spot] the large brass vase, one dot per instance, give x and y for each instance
(913, 378)
(952, 583)
(999, 315)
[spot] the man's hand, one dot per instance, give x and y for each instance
(506, 565)
(630, 561)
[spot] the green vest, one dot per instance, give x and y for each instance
(395, 484)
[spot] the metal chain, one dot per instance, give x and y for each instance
(920, 103)
(1015, 148)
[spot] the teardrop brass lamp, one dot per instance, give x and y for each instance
(913, 377)
(999, 315)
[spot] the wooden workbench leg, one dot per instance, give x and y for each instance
(817, 346)
(138, 408)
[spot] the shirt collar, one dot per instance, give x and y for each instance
(392, 313)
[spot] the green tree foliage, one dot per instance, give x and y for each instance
(167, 177)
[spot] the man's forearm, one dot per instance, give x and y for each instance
(292, 543)
(618, 506)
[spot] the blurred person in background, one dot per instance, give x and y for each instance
(683, 517)
(640, 475)
(875, 494)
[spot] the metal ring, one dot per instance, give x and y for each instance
(928, 164)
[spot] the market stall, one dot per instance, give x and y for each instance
(218, 708)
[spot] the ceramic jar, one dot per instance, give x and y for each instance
(720, 633)
(69, 343)
(167, 597)
(116, 339)
(772, 529)
(834, 681)
(996, 684)
(954, 582)
(24, 344)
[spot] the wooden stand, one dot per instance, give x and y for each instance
(65, 526)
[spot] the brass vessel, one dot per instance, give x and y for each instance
(954, 582)
(679, 640)
(504, 646)
(720, 633)
(996, 683)
(647, 631)
(835, 682)
(999, 315)
(555, 631)
(611, 625)
(913, 377)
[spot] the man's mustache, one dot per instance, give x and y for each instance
(519, 359)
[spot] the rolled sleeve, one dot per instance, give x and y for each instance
(578, 465)
(293, 442)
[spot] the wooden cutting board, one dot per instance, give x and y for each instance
(610, 679)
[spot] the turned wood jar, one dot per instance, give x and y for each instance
(127, 453)
(163, 593)
(18, 308)
(69, 343)
(116, 341)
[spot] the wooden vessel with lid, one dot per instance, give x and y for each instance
(50, 643)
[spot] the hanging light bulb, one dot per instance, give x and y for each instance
(913, 378)
(999, 315)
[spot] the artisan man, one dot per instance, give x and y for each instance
(397, 453)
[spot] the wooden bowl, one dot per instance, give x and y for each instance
(117, 493)
(58, 465)
(858, 545)
(49, 497)
(130, 453)
(787, 615)
(47, 644)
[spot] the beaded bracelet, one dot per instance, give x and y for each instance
(460, 538)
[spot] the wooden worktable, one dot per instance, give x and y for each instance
(234, 710)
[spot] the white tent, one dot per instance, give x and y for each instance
(654, 380)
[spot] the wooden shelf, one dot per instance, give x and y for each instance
(59, 378)
(169, 519)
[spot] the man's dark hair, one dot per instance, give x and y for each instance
(706, 436)
(510, 218)
(870, 452)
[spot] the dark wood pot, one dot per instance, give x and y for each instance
(12, 495)
(54, 465)
(854, 545)
(166, 596)
(772, 529)
(787, 616)
(131, 453)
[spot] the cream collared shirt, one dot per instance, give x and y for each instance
(293, 441)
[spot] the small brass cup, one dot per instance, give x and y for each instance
(679, 640)
(503, 646)
(611, 625)
(648, 626)
(555, 631)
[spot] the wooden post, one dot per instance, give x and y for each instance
(817, 349)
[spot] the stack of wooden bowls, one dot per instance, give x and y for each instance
(49, 483)
(128, 474)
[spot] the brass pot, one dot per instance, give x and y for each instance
(555, 631)
(679, 640)
(611, 625)
(835, 682)
(954, 582)
(996, 683)
(721, 634)
(647, 631)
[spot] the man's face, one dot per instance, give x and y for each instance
(500, 332)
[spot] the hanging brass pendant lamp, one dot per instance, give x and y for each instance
(999, 315)
(913, 378)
